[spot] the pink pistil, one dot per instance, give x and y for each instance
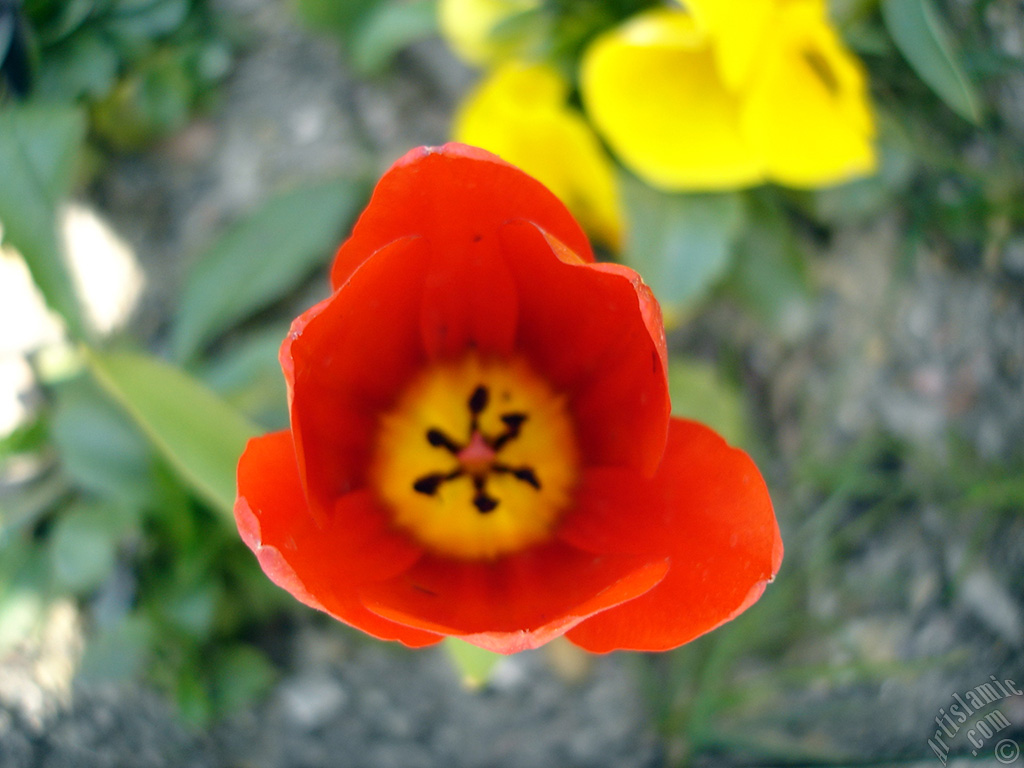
(477, 456)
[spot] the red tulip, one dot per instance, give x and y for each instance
(480, 440)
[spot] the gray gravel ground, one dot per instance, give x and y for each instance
(357, 704)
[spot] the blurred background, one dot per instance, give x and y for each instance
(828, 202)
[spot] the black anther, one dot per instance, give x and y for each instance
(526, 474)
(514, 420)
(484, 503)
(428, 484)
(513, 423)
(478, 400)
(439, 439)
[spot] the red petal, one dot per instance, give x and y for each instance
(518, 602)
(594, 332)
(469, 299)
(450, 195)
(320, 566)
(346, 360)
(708, 509)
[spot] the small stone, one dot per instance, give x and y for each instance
(309, 702)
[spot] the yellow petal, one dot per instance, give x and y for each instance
(519, 112)
(468, 26)
(807, 112)
(652, 90)
(738, 30)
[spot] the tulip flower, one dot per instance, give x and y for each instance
(481, 444)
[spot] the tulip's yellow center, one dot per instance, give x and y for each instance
(477, 459)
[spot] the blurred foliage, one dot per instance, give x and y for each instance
(39, 146)
(666, 231)
(259, 256)
(371, 32)
(474, 664)
(129, 460)
(107, 519)
(700, 392)
(922, 38)
(139, 67)
(132, 462)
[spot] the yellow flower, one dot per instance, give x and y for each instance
(519, 112)
(653, 92)
(693, 102)
(807, 113)
(469, 26)
(737, 34)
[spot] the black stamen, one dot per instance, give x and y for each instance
(514, 420)
(478, 400)
(484, 503)
(526, 474)
(428, 484)
(481, 499)
(439, 439)
(513, 423)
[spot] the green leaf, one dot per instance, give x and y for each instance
(473, 664)
(7, 22)
(924, 41)
(26, 438)
(241, 674)
(39, 146)
(200, 435)
(83, 547)
(152, 101)
(100, 448)
(698, 392)
(388, 28)
(22, 510)
(192, 695)
(261, 258)
(680, 244)
(192, 609)
(770, 275)
(24, 588)
(248, 375)
(70, 16)
(341, 18)
(146, 20)
(83, 65)
(118, 651)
